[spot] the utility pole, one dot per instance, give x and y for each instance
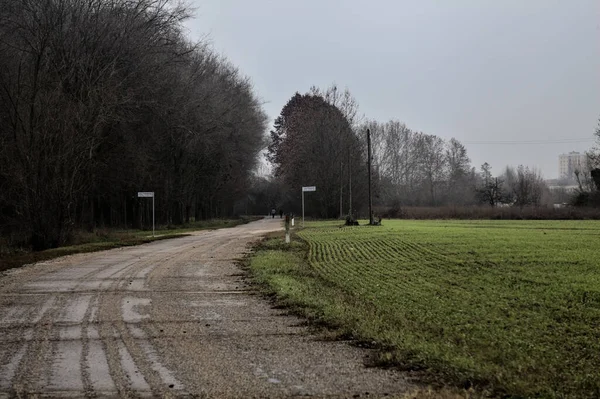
(369, 174)
(341, 190)
(350, 185)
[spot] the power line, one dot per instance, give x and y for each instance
(549, 141)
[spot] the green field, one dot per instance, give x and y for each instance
(510, 307)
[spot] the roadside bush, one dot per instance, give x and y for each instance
(350, 221)
(392, 212)
(495, 213)
(586, 199)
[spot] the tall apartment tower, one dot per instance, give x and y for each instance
(569, 163)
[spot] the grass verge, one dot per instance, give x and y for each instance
(103, 239)
(509, 307)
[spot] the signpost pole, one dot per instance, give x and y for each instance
(369, 174)
(302, 206)
(148, 194)
(153, 216)
(308, 188)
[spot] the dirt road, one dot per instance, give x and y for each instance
(170, 318)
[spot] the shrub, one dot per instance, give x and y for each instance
(495, 213)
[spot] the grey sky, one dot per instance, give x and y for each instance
(478, 70)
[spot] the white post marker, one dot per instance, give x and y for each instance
(148, 194)
(307, 188)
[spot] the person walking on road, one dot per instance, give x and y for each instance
(273, 212)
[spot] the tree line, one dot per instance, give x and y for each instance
(100, 99)
(318, 139)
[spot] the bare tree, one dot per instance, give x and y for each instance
(523, 186)
(415, 168)
(490, 188)
(459, 176)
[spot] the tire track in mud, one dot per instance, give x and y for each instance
(30, 362)
(20, 323)
(40, 339)
(119, 342)
(32, 332)
(177, 331)
(172, 318)
(104, 335)
(155, 279)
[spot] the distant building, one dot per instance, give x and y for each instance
(569, 163)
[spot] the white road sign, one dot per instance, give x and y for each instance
(309, 188)
(148, 194)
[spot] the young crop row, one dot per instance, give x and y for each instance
(382, 269)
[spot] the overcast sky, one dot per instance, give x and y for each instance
(476, 70)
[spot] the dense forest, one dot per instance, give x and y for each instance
(100, 99)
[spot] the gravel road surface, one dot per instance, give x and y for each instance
(171, 318)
